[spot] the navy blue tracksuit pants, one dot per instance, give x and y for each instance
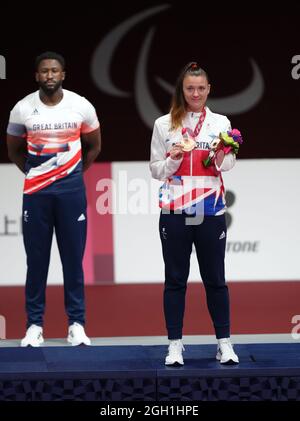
(209, 239)
(66, 213)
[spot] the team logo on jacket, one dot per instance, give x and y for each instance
(25, 216)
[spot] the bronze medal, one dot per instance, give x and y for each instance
(188, 144)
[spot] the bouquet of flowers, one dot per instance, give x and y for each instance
(229, 141)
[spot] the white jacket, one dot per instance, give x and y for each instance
(187, 182)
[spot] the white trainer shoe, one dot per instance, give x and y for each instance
(77, 335)
(225, 353)
(174, 356)
(33, 337)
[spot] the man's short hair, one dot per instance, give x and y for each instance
(50, 55)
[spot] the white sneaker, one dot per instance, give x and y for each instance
(225, 353)
(33, 337)
(77, 335)
(174, 356)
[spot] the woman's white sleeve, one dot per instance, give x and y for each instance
(161, 166)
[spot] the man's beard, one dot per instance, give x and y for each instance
(50, 90)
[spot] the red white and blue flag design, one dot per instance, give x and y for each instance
(53, 137)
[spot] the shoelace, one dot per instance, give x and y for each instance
(175, 347)
(79, 331)
(33, 328)
(228, 343)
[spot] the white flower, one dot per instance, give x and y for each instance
(215, 143)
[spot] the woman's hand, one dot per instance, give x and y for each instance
(176, 151)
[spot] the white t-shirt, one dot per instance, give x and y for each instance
(53, 139)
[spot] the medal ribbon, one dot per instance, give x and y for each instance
(194, 133)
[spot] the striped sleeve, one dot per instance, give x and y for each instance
(90, 120)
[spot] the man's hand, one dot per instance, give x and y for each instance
(91, 147)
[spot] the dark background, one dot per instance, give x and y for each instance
(221, 41)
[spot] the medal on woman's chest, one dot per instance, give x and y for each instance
(187, 142)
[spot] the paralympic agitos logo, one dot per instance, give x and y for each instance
(148, 110)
